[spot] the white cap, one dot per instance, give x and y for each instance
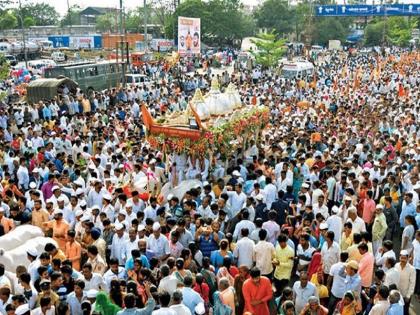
(85, 217)
(61, 199)
(118, 226)
(123, 212)
(170, 196)
(240, 180)
(78, 182)
(335, 209)
(236, 173)
(79, 191)
(129, 204)
(107, 197)
(83, 203)
(55, 188)
(49, 200)
(22, 309)
(156, 226)
(348, 198)
(323, 226)
(259, 197)
(152, 161)
(58, 211)
(32, 251)
(32, 185)
(79, 213)
(91, 294)
(404, 253)
(121, 166)
(35, 170)
(305, 185)
(95, 207)
(141, 227)
(379, 206)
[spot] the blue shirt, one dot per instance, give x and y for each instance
(353, 283)
(408, 209)
(191, 299)
(395, 309)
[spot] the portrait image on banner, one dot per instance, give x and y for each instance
(189, 35)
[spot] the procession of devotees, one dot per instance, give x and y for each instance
(318, 215)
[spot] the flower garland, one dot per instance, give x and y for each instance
(217, 139)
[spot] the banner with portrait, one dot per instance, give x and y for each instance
(189, 35)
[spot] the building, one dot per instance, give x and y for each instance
(89, 15)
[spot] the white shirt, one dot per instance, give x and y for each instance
(335, 224)
(330, 255)
(95, 198)
(118, 248)
(168, 284)
(416, 254)
(159, 246)
(392, 277)
(109, 276)
(237, 202)
(263, 254)
(358, 225)
(270, 192)
(96, 282)
(180, 309)
(244, 252)
(381, 258)
(320, 209)
(38, 311)
(407, 279)
(273, 231)
(338, 288)
(129, 246)
(164, 311)
(242, 225)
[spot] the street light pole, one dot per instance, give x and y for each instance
(23, 35)
(145, 26)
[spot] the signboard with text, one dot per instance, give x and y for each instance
(189, 35)
(368, 10)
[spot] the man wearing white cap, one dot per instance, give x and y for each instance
(118, 243)
(379, 228)
(335, 224)
(57, 194)
(95, 196)
(158, 243)
(32, 255)
(305, 191)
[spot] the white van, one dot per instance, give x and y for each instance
(137, 79)
(299, 70)
(58, 56)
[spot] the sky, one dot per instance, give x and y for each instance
(61, 5)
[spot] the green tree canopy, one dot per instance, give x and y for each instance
(275, 15)
(41, 13)
(72, 17)
(8, 20)
(395, 30)
(269, 50)
(324, 29)
(106, 23)
(222, 21)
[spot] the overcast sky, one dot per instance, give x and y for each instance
(61, 5)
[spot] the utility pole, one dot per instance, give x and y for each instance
(69, 15)
(122, 42)
(23, 35)
(145, 26)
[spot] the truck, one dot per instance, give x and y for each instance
(334, 44)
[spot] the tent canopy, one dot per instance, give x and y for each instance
(43, 89)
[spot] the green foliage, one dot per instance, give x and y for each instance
(4, 73)
(8, 20)
(325, 29)
(28, 21)
(106, 23)
(41, 13)
(275, 15)
(393, 30)
(222, 21)
(269, 50)
(72, 17)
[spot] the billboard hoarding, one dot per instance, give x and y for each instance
(189, 35)
(368, 10)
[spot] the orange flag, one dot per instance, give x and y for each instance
(401, 91)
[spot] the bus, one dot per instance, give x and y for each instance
(90, 76)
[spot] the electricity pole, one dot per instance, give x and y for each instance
(23, 35)
(145, 26)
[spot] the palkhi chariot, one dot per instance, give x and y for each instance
(208, 111)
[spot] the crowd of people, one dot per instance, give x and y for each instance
(318, 216)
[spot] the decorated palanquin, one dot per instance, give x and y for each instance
(215, 122)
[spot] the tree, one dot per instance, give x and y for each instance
(42, 13)
(394, 30)
(4, 73)
(72, 17)
(275, 16)
(269, 49)
(222, 21)
(106, 22)
(28, 22)
(8, 20)
(325, 29)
